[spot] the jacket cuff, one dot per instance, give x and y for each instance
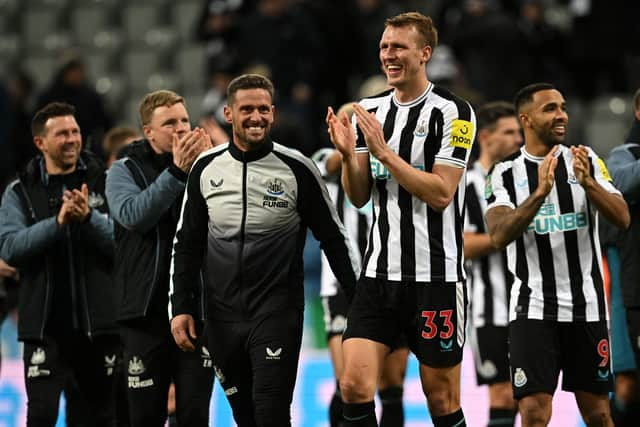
(178, 173)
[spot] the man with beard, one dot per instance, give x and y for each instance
(144, 189)
(489, 279)
(244, 218)
(543, 205)
(54, 228)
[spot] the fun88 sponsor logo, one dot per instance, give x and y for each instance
(548, 221)
(379, 171)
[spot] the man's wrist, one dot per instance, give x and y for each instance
(589, 183)
(178, 173)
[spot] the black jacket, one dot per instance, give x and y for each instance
(145, 191)
(29, 235)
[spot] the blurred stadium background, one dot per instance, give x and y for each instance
(106, 54)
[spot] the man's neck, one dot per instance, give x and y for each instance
(55, 170)
(486, 162)
(411, 91)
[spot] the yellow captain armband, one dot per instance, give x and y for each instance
(603, 168)
(461, 134)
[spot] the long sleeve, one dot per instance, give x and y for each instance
(189, 247)
(625, 171)
(320, 215)
(20, 241)
(134, 208)
(99, 231)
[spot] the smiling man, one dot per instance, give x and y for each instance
(54, 228)
(144, 190)
(408, 153)
(543, 206)
(244, 218)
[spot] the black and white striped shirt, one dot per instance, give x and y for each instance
(356, 221)
(557, 262)
(409, 240)
(489, 278)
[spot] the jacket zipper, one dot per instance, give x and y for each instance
(242, 235)
(47, 271)
(155, 261)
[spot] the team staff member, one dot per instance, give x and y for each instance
(245, 214)
(410, 154)
(144, 189)
(543, 203)
(489, 278)
(54, 228)
(624, 166)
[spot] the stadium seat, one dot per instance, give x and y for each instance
(190, 64)
(9, 48)
(138, 19)
(138, 65)
(194, 105)
(166, 80)
(41, 67)
(112, 87)
(185, 15)
(36, 24)
(97, 64)
(87, 21)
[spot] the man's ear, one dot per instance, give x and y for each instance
(146, 130)
(38, 142)
(227, 114)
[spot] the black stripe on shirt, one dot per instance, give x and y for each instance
(459, 224)
(434, 219)
(598, 281)
(464, 113)
(405, 200)
(545, 254)
(475, 211)
(565, 199)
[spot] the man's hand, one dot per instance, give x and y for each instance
(341, 133)
(581, 165)
(183, 329)
(7, 271)
(216, 133)
(187, 149)
(547, 172)
(371, 130)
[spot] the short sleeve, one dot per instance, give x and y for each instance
(495, 192)
(458, 135)
(601, 174)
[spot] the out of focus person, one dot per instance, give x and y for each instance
(115, 139)
(70, 85)
(624, 166)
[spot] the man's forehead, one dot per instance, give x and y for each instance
(251, 96)
(61, 121)
(548, 96)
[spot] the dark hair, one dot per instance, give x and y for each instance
(423, 25)
(248, 81)
(53, 109)
(525, 95)
(489, 114)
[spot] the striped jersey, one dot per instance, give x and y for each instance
(356, 221)
(489, 278)
(556, 262)
(409, 240)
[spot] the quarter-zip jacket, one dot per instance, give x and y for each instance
(244, 219)
(144, 190)
(28, 234)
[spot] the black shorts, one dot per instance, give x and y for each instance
(335, 310)
(431, 315)
(490, 347)
(540, 349)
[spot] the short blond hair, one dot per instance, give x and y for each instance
(423, 25)
(159, 98)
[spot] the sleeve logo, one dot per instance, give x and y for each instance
(461, 134)
(603, 168)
